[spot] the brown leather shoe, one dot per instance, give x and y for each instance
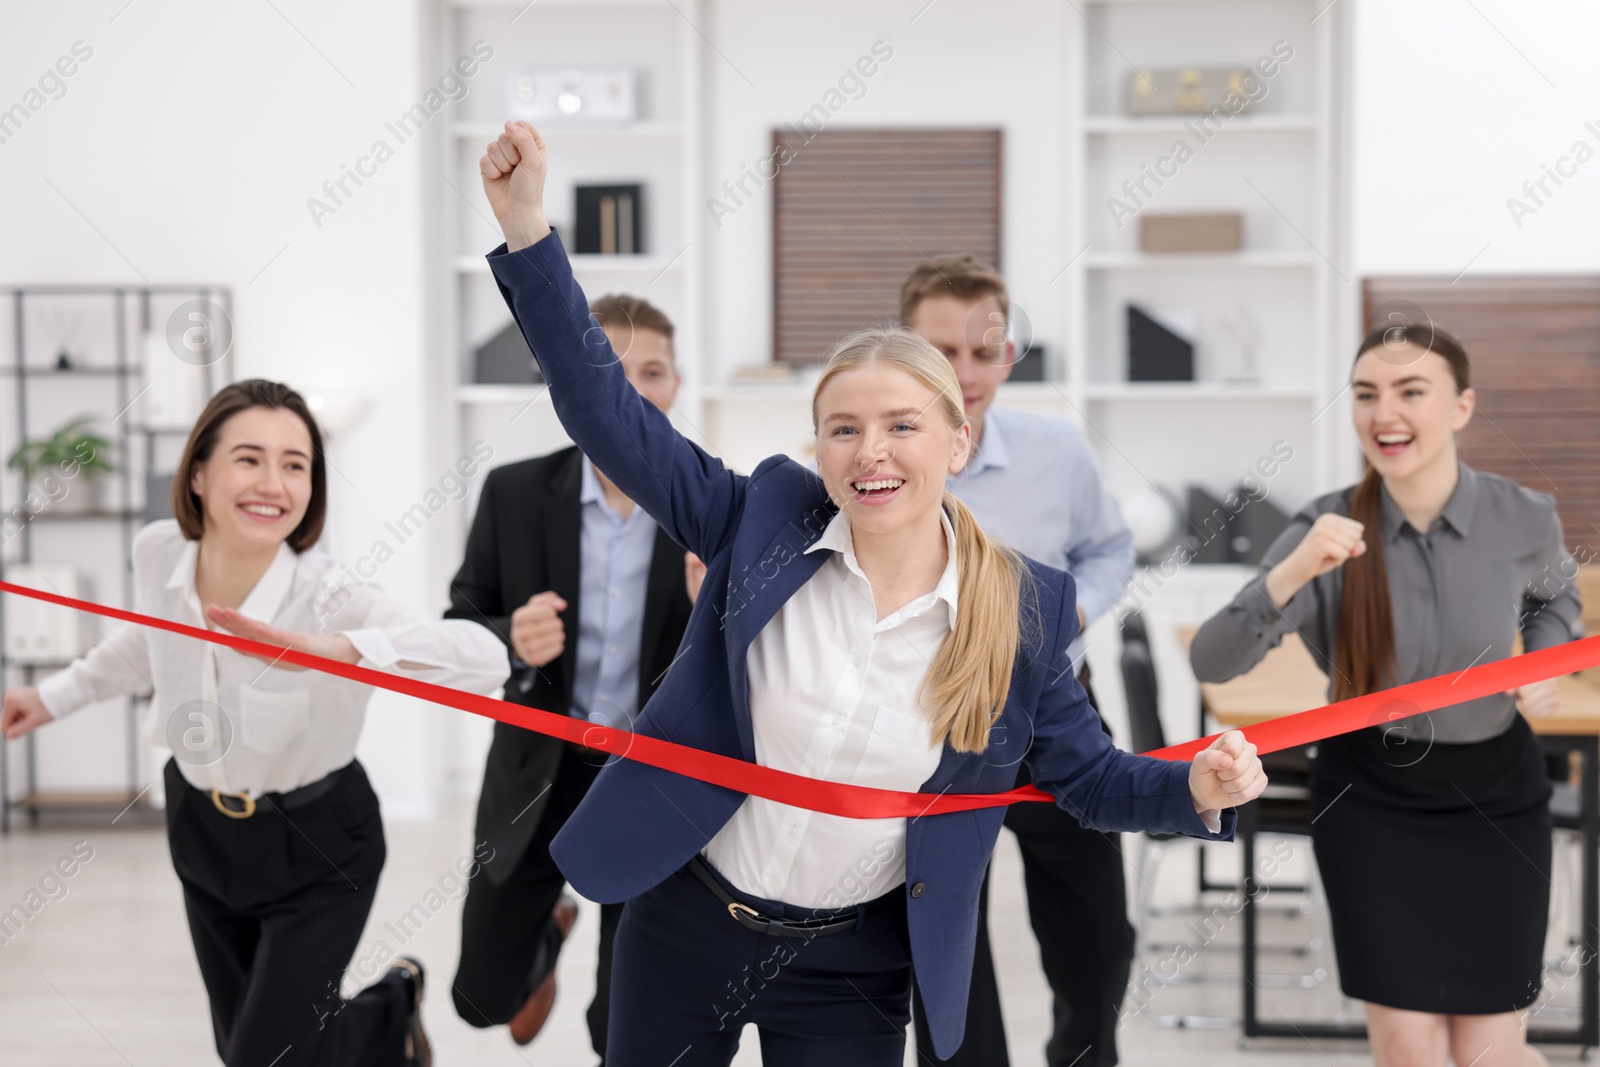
(531, 1017)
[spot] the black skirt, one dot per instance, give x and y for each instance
(1436, 860)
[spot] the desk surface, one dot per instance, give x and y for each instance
(1287, 680)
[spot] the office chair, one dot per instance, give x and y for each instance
(1147, 733)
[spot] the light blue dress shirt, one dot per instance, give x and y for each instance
(614, 555)
(1034, 485)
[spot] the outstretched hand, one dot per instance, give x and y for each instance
(328, 646)
(1227, 774)
(513, 170)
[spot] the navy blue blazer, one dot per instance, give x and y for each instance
(639, 824)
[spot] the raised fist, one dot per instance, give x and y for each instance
(513, 170)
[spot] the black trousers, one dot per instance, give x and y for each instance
(509, 940)
(688, 978)
(1078, 907)
(276, 906)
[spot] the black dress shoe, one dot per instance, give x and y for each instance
(417, 1050)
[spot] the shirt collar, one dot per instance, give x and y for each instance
(837, 537)
(590, 492)
(991, 446)
(264, 600)
(1457, 511)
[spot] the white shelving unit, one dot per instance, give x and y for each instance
(1279, 165)
(660, 150)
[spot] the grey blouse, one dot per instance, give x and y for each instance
(1492, 563)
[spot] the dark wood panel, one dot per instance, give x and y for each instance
(1535, 348)
(855, 210)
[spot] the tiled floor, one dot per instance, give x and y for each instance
(104, 973)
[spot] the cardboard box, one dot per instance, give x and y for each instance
(1221, 232)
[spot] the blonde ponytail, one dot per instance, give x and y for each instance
(970, 678)
(966, 686)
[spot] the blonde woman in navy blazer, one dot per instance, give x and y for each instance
(825, 975)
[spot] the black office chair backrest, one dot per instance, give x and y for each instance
(1133, 628)
(1139, 685)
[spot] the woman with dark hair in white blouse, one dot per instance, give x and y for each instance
(274, 829)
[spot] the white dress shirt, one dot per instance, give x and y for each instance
(277, 729)
(834, 695)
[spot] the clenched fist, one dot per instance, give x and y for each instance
(513, 170)
(1227, 774)
(1539, 700)
(24, 712)
(537, 633)
(1332, 541)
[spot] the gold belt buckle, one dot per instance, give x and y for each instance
(246, 799)
(734, 908)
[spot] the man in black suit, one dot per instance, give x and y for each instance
(591, 599)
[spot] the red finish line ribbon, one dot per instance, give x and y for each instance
(862, 802)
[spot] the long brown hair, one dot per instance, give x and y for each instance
(1364, 659)
(228, 402)
(966, 686)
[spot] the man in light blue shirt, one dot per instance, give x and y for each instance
(1033, 483)
(616, 550)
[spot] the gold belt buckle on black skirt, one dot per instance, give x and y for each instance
(246, 799)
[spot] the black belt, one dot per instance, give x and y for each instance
(294, 798)
(751, 919)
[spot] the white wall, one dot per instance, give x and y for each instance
(1453, 110)
(191, 140)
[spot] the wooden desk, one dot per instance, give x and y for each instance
(1287, 680)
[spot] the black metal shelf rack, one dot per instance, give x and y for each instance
(129, 378)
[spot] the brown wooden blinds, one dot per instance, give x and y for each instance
(1535, 348)
(855, 210)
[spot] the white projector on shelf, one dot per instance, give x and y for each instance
(566, 95)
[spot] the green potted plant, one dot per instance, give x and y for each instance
(63, 470)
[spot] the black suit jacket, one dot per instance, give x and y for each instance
(524, 541)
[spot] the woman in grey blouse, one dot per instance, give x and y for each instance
(1432, 831)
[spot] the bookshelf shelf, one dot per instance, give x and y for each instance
(1118, 124)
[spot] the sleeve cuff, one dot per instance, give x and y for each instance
(62, 695)
(1095, 603)
(1212, 818)
(375, 647)
(1263, 615)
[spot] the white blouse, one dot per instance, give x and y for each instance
(834, 695)
(257, 728)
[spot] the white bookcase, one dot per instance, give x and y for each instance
(660, 150)
(1280, 165)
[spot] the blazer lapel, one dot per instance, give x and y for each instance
(758, 586)
(665, 580)
(563, 524)
(944, 776)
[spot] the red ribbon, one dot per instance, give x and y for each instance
(862, 802)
